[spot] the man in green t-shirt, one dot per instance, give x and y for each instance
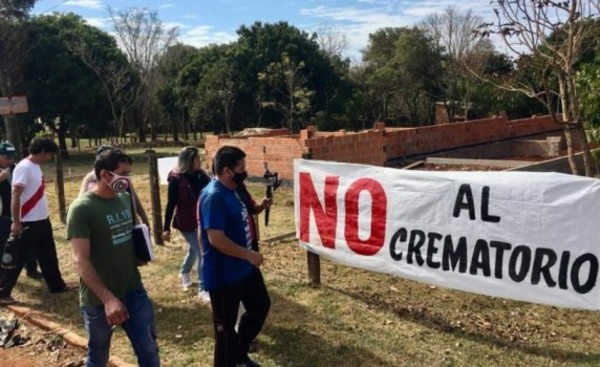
(99, 228)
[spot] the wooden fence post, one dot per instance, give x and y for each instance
(313, 260)
(155, 196)
(60, 188)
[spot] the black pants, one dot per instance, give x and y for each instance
(5, 223)
(36, 240)
(252, 292)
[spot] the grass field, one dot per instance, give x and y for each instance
(355, 318)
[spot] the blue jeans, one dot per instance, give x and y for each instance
(193, 255)
(140, 330)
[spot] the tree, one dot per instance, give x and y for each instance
(173, 99)
(289, 80)
(402, 66)
(144, 39)
(13, 49)
(100, 53)
(547, 36)
(63, 91)
(261, 45)
(331, 41)
(463, 49)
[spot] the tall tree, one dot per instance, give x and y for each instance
(64, 92)
(402, 66)
(463, 48)
(173, 100)
(101, 54)
(259, 46)
(548, 38)
(289, 79)
(13, 49)
(144, 38)
(331, 40)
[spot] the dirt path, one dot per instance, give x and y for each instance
(40, 349)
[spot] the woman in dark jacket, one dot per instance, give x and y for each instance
(186, 182)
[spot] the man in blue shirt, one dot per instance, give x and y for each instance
(230, 268)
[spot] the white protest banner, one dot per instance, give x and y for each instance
(526, 236)
(165, 165)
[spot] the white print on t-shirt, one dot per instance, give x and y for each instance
(29, 176)
(246, 219)
(120, 226)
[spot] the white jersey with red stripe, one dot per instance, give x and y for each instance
(29, 176)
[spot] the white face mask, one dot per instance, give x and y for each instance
(119, 183)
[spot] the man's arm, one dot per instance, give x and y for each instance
(116, 313)
(15, 211)
(226, 246)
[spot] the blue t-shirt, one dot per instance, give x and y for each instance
(222, 209)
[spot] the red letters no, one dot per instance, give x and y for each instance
(325, 218)
(378, 217)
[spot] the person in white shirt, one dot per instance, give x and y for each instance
(31, 222)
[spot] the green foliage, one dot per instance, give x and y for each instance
(588, 81)
(15, 9)
(402, 68)
(261, 45)
(289, 80)
(63, 92)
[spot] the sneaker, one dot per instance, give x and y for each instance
(8, 300)
(186, 281)
(246, 362)
(35, 274)
(204, 297)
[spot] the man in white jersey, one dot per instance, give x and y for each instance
(31, 222)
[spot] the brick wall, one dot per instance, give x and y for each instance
(422, 140)
(278, 152)
(376, 146)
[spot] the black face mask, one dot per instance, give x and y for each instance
(239, 177)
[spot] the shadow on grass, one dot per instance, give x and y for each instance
(442, 324)
(292, 343)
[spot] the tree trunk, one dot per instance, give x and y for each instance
(185, 124)
(570, 151)
(588, 160)
(12, 131)
(62, 137)
(175, 131)
(74, 143)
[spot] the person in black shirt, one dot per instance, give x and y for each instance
(185, 183)
(7, 164)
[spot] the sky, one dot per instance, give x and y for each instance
(204, 22)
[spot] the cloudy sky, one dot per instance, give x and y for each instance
(202, 22)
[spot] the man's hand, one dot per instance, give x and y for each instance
(116, 313)
(166, 235)
(255, 258)
(3, 175)
(266, 203)
(16, 229)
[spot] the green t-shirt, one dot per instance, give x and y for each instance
(107, 224)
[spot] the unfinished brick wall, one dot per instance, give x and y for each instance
(376, 146)
(277, 151)
(422, 140)
(367, 147)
